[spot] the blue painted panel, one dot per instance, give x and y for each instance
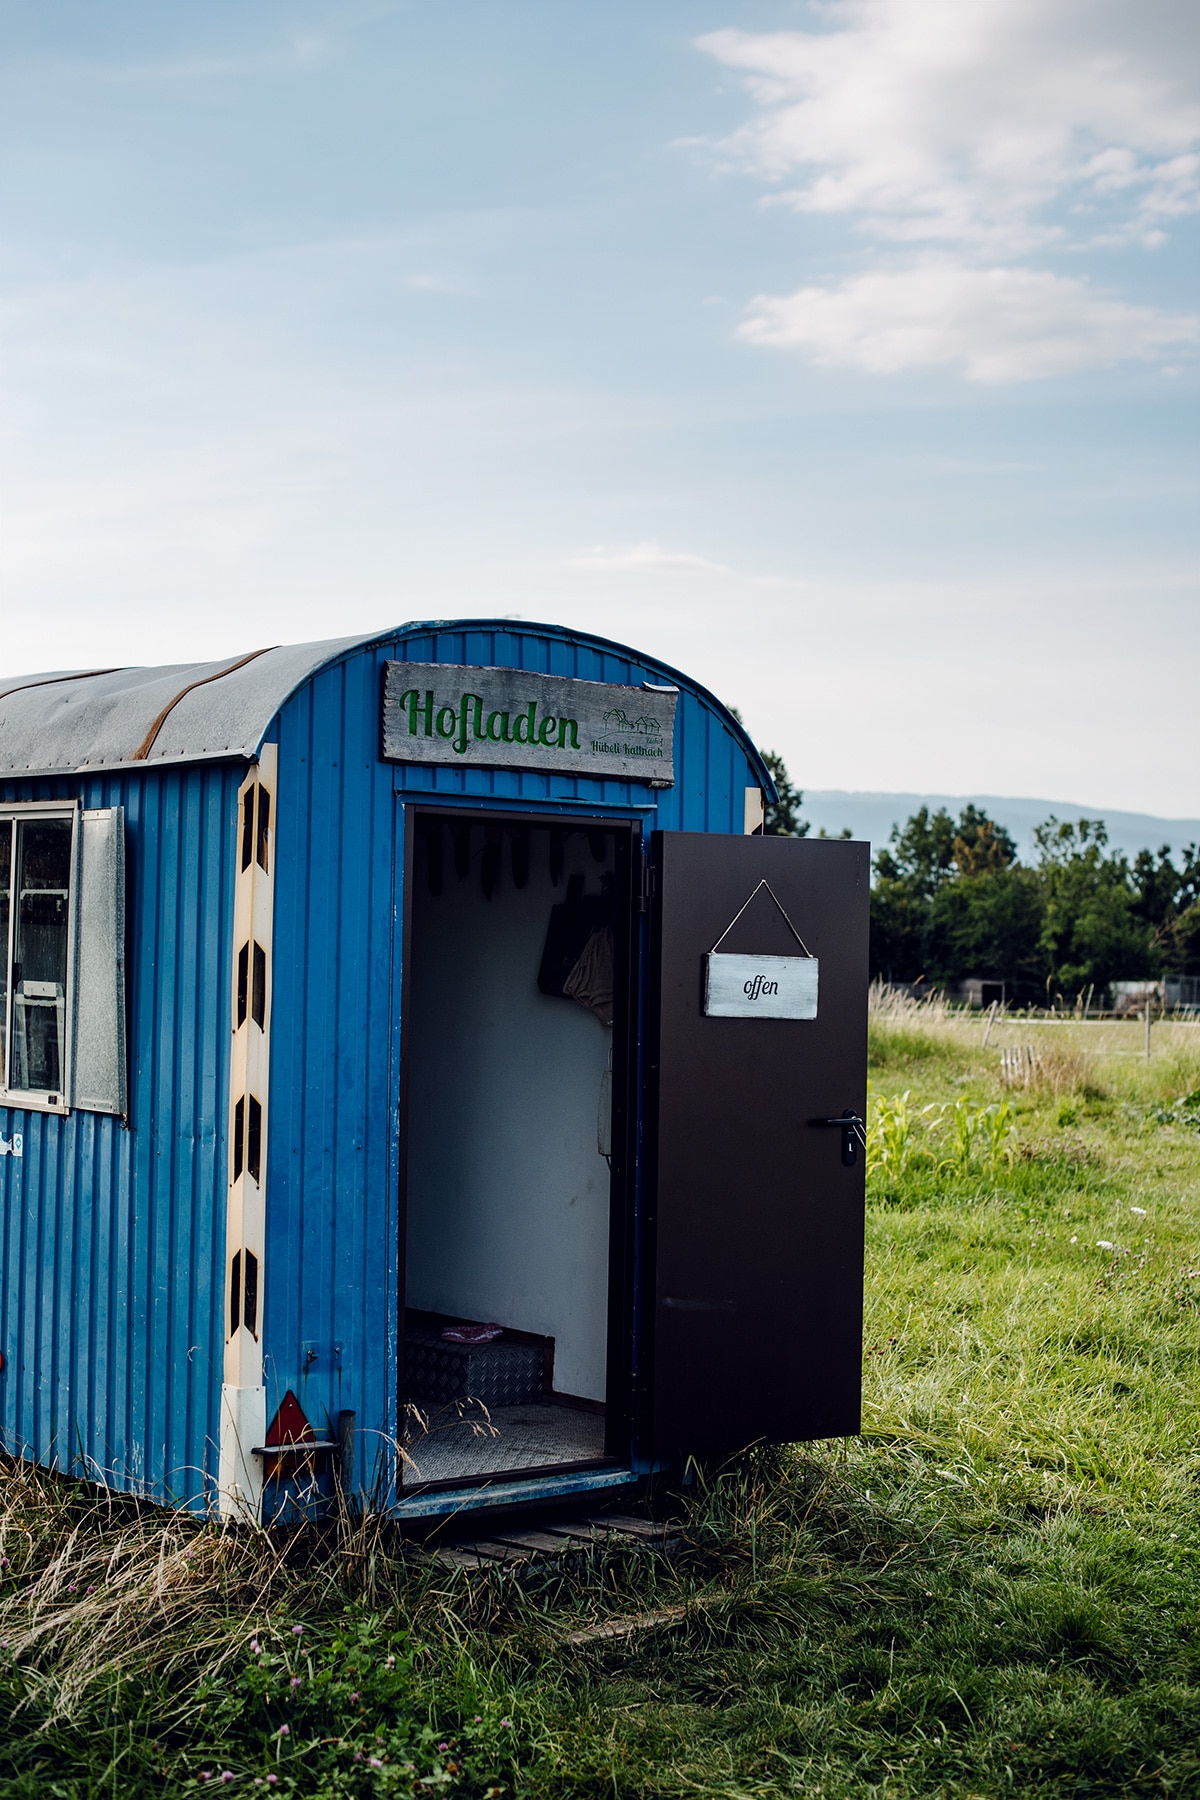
(331, 1275)
(112, 1238)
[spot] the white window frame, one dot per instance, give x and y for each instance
(34, 1099)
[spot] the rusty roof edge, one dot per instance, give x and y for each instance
(144, 748)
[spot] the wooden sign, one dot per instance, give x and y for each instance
(760, 987)
(458, 716)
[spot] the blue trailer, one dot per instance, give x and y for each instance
(381, 1100)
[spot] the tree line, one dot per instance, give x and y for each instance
(951, 899)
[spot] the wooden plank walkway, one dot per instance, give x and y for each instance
(518, 1546)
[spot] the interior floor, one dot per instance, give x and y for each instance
(453, 1442)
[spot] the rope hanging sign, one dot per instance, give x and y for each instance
(760, 987)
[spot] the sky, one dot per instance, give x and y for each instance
(845, 355)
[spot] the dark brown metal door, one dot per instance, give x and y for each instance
(757, 1219)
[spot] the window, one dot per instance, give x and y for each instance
(62, 958)
(35, 860)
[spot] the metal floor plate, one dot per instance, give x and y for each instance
(515, 1437)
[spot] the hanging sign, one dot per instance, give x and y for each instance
(458, 716)
(760, 987)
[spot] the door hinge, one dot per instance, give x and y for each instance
(645, 884)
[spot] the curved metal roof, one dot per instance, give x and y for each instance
(185, 712)
(74, 721)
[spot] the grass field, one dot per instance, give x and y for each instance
(994, 1591)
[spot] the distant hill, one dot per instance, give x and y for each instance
(873, 816)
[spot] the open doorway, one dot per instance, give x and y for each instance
(515, 997)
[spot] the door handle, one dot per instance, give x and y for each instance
(852, 1129)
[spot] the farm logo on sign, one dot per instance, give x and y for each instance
(641, 736)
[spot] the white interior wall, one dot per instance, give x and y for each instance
(508, 1196)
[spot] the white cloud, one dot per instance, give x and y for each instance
(995, 325)
(995, 131)
(963, 120)
(637, 558)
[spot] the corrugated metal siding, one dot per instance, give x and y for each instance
(331, 1266)
(112, 1240)
(330, 1262)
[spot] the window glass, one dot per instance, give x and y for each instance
(39, 967)
(5, 880)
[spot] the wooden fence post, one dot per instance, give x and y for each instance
(991, 1020)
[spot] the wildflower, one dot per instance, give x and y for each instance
(295, 1681)
(1139, 1210)
(203, 1775)
(391, 1662)
(375, 1762)
(354, 1697)
(272, 1780)
(71, 1586)
(297, 1631)
(479, 1718)
(1103, 1244)
(506, 1723)
(226, 1775)
(92, 1588)
(443, 1746)
(255, 1647)
(3, 1562)
(358, 1756)
(285, 1731)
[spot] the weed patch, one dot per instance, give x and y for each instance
(995, 1590)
